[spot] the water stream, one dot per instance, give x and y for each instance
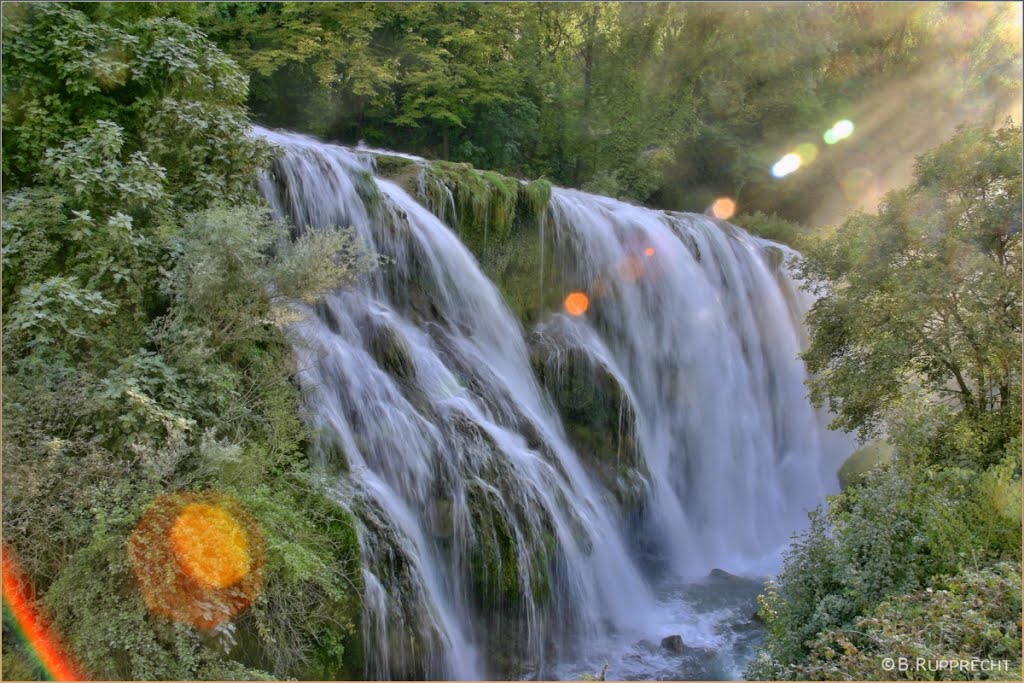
(492, 546)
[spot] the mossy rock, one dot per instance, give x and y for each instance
(390, 352)
(776, 257)
(536, 197)
(598, 414)
(498, 218)
(863, 460)
(391, 166)
(495, 558)
(329, 445)
(410, 635)
(489, 206)
(367, 190)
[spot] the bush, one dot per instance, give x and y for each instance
(178, 99)
(772, 227)
(891, 536)
(145, 352)
(973, 615)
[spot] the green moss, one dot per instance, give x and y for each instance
(488, 204)
(392, 166)
(496, 563)
(515, 266)
(367, 190)
(493, 560)
(775, 257)
(388, 349)
(498, 219)
(599, 418)
(536, 196)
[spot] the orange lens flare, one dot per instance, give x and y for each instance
(198, 558)
(577, 303)
(649, 251)
(631, 269)
(33, 627)
(210, 545)
(723, 208)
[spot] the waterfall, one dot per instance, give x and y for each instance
(704, 326)
(492, 544)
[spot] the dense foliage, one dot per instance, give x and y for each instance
(666, 103)
(143, 291)
(924, 298)
(917, 335)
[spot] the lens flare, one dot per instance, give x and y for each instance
(210, 545)
(649, 251)
(808, 152)
(723, 208)
(31, 626)
(198, 558)
(577, 303)
(840, 131)
(786, 165)
(631, 269)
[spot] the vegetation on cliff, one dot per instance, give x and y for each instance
(144, 285)
(917, 335)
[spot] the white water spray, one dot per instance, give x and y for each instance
(490, 547)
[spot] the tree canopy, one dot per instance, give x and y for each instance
(924, 297)
(670, 104)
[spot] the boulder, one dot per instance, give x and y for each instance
(647, 645)
(722, 575)
(674, 644)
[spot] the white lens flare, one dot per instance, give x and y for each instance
(786, 165)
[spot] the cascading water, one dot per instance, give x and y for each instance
(704, 332)
(491, 545)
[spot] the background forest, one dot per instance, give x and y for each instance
(146, 293)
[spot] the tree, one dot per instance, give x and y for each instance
(659, 103)
(924, 297)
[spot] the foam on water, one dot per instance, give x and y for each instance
(489, 546)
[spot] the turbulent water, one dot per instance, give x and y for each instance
(492, 546)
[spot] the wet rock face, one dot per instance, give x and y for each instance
(722, 575)
(674, 644)
(439, 518)
(598, 414)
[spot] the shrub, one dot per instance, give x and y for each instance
(972, 615)
(891, 536)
